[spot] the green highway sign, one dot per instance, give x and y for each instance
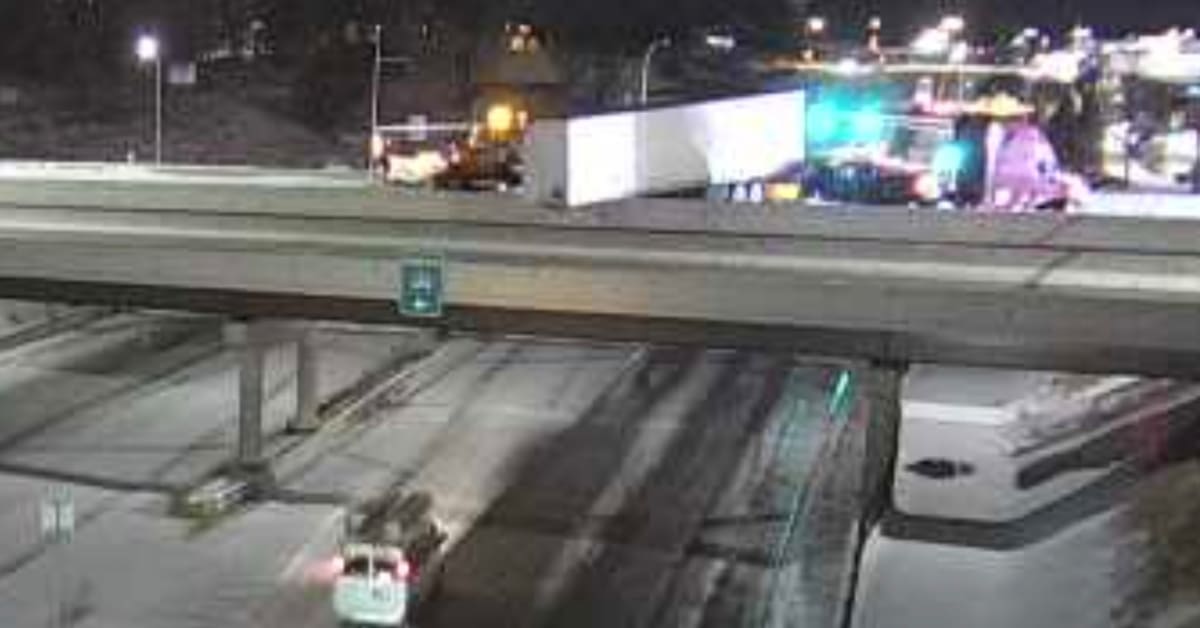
(422, 287)
(58, 517)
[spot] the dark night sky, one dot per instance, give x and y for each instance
(1110, 16)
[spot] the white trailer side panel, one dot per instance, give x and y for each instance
(621, 155)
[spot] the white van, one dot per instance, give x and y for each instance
(373, 587)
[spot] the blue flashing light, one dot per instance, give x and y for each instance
(842, 121)
(949, 159)
(823, 118)
(867, 125)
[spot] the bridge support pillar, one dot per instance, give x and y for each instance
(307, 417)
(251, 366)
(882, 389)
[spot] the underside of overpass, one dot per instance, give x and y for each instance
(889, 347)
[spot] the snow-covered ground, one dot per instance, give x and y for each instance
(130, 566)
(1061, 582)
(1171, 205)
(1121, 555)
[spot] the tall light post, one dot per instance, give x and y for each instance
(954, 26)
(814, 29)
(376, 142)
(655, 46)
(376, 79)
(874, 27)
(148, 51)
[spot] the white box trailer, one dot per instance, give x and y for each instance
(606, 157)
(994, 445)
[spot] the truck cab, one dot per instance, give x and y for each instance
(1008, 162)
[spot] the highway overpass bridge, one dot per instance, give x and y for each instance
(885, 286)
(1080, 293)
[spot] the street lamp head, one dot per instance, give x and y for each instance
(147, 48)
(720, 42)
(662, 41)
(816, 25)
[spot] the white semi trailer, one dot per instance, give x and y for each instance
(611, 156)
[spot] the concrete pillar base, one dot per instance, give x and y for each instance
(258, 477)
(307, 418)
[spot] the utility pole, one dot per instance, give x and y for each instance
(376, 79)
(375, 141)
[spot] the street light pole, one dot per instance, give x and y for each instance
(149, 51)
(959, 57)
(376, 79)
(158, 112)
(661, 42)
(954, 27)
(874, 30)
